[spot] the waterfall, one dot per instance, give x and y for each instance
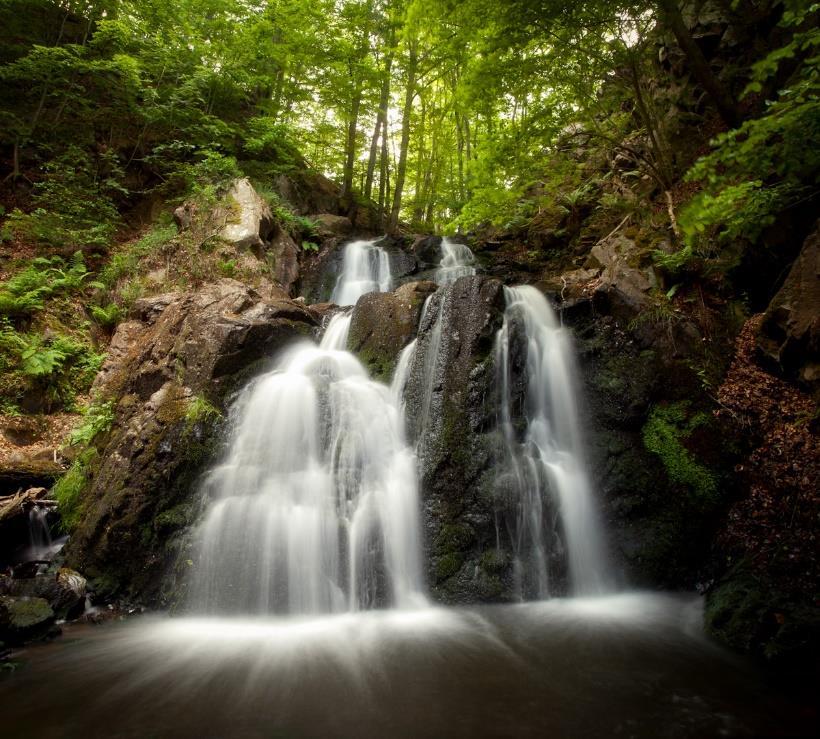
(366, 269)
(548, 453)
(457, 260)
(315, 508)
(39, 533)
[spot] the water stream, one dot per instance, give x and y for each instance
(548, 455)
(366, 268)
(315, 508)
(457, 260)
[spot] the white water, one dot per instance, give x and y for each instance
(315, 508)
(550, 456)
(457, 260)
(366, 269)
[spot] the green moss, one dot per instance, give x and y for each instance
(751, 614)
(447, 565)
(69, 489)
(200, 410)
(493, 561)
(664, 433)
(174, 518)
(454, 537)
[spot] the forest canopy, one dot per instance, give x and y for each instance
(444, 113)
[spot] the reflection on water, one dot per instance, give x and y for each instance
(627, 665)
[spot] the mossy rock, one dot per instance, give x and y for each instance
(448, 565)
(750, 614)
(24, 619)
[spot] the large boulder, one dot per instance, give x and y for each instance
(64, 591)
(248, 220)
(790, 332)
(24, 619)
(285, 255)
(451, 413)
(170, 383)
(384, 323)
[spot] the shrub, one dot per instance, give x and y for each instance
(73, 204)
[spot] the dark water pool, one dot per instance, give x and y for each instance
(624, 666)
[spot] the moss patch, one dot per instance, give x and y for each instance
(664, 434)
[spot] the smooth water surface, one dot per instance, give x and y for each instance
(628, 665)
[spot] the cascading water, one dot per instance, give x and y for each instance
(38, 529)
(366, 269)
(315, 508)
(548, 455)
(457, 260)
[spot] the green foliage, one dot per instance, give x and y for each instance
(207, 178)
(98, 420)
(69, 489)
(227, 267)
(58, 366)
(767, 164)
(27, 291)
(200, 410)
(125, 262)
(107, 316)
(73, 203)
(664, 433)
(309, 246)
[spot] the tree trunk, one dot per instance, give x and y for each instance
(401, 169)
(381, 123)
(350, 144)
(720, 96)
(418, 207)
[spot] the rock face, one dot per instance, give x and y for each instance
(384, 323)
(249, 221)
(626, 279)
(329, 225)
(170, 375)
(285, 255)
(449, 395)
(790, 333)
(638, 395)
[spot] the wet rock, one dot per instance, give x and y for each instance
(450, 395)
(384, 323)
(24, 619)
(753, 614)
(249, 218)
(790, 332)
(64, 591)
(170, 386)
(427, 250)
